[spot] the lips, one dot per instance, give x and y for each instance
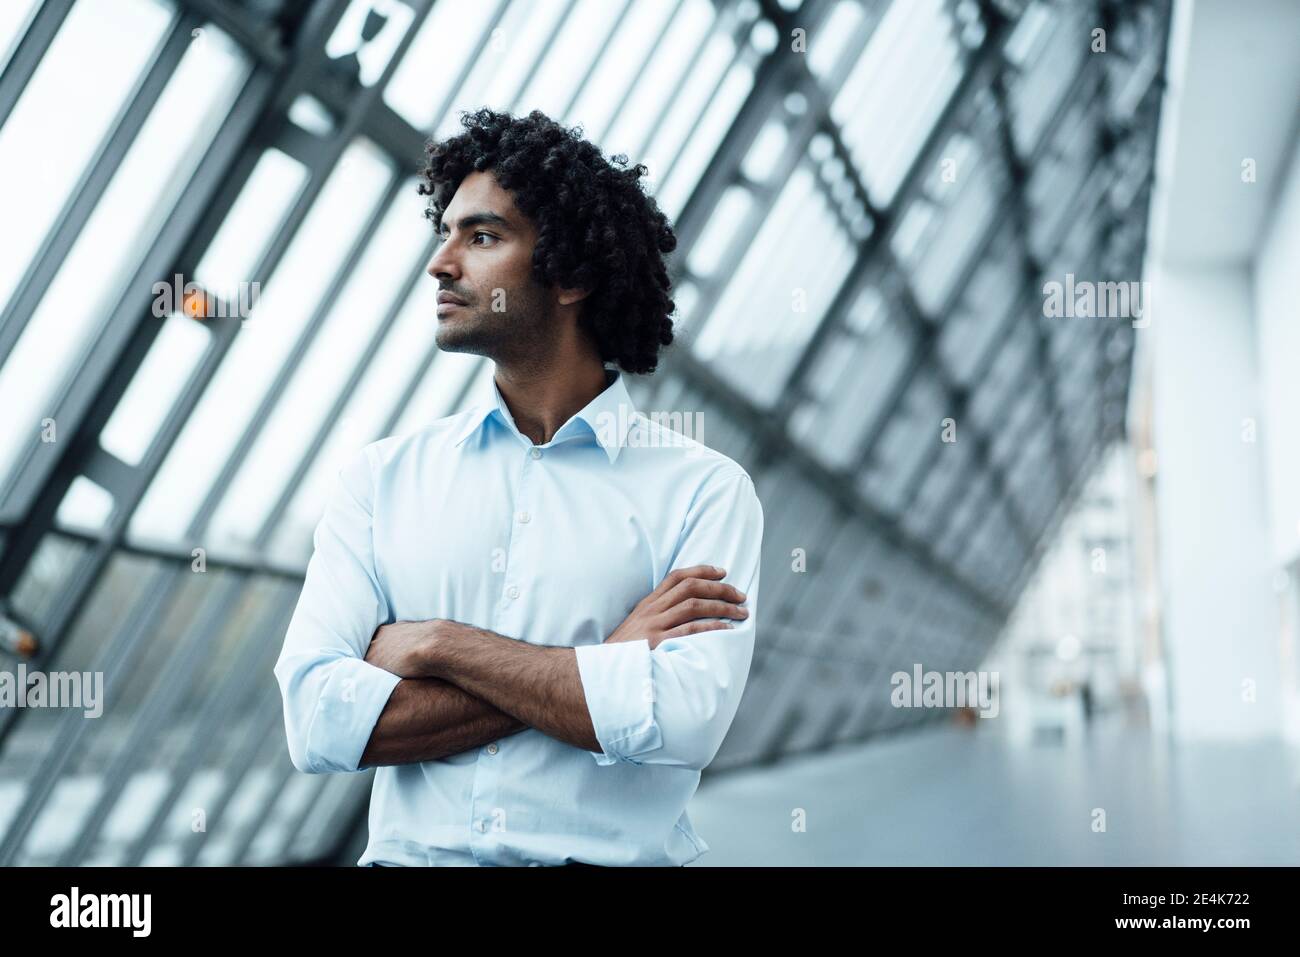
(446, 298)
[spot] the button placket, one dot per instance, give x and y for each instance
(487, 773)
(522, 516)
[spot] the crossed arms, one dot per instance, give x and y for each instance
(463, 687)
(662, 689)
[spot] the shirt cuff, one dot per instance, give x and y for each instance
(619, 687)
(350, 704)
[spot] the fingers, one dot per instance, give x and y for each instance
(688, 601)
(679, 575)
(701, 588)
(695, 627)
(693, 608)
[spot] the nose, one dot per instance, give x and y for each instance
(443, 264)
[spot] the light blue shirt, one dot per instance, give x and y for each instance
(552, 544)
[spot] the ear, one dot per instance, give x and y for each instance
(567, 297)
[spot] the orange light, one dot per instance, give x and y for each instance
(195, 305)
(17, 640)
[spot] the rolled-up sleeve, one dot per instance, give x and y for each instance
(674, 705)
(332, 696)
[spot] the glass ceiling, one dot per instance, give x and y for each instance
(865, 225)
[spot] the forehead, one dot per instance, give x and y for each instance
(480, 192)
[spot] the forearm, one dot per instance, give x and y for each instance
(537, 685)
(426, 719)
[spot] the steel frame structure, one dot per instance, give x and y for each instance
(876, 583)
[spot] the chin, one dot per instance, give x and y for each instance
(456, 340)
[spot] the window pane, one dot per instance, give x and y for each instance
(254, 218)
(436, 396)
(435, 58)
(268, 336)
(580, 42)
(110, 247)
(348, 45)
(27, 744)
(901, 83)
(172, 359)
(14, 17)
(63, 105)
(85, 505)
(393, 369)
(392, 254)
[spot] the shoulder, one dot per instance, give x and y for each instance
(713, 475)
(390, 450)
(683, 431)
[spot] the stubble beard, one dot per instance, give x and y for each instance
(522, 332)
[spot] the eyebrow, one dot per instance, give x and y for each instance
(481, 218)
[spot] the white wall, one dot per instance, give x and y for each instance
(1224, 351)
(1277, 321)
(1216, 566)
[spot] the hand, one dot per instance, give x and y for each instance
(682, 605)
(401, 648)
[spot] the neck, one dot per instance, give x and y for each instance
(543, 398)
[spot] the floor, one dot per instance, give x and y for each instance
(955, 796)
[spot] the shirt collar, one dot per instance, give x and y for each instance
(609, 417)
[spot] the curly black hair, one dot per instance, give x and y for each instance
(597, 229)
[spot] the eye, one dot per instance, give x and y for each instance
(488, 235)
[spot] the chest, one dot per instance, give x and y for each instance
(549, 550)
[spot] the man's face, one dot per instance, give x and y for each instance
(486, 261)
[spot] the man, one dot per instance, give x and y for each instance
(535, 618)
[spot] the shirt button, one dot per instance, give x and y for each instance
(482, 825)
(513, 591)
(536, 453)
(524, 517)
(491, 749)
